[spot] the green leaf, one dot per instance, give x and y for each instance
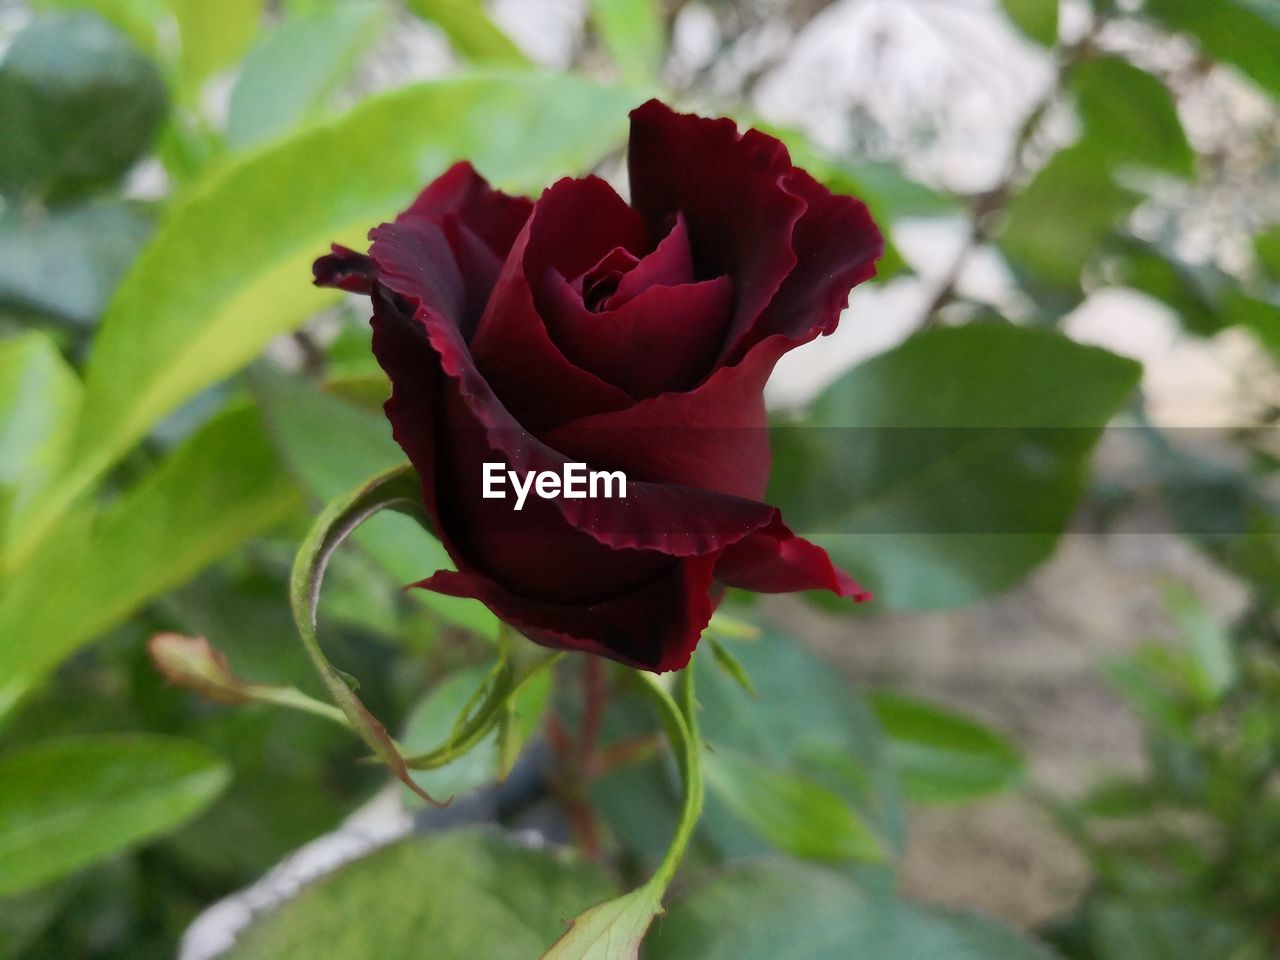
(220, 488)
(1055, 224)
(291, 74)
(1243, 33)
(1211, 656)
(614, 929)
(794, 813)
(39, 400)
(1131, 116)
(214, 35)
(65, 263)
(1188, 292)
(441, 711)
(458, 895)
(804, 715)
(948, 467)
(67, 803)
(635, 36)
(942, 756)
(762, 911)
(332, 445)
(470, 31)
(230, 267)
(1038, 19)
(79, 104)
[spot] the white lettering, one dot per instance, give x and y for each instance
(575, 473)
(493, 477)
(574, 482)
(608, 480)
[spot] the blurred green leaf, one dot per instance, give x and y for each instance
(470, 31)
(462, 894)
(39, 400)
(1210, 654)
(79, 104)
(796, 814)
(65, 263)
(1147, 681)
(763, 911)
(432, 721)
(944, 470)
(1243, 33)
(1267, 246)
(1169, 930)
(66, 803)
(731, 665)
(1054, 225)
(1149, 270)
(230, 267)
(140, 19)
(333, 445)
(635, 36)
(214, 35)
(219, 488)
(1038, 19)
(1130, 116)
(290, 75)
(943, 756)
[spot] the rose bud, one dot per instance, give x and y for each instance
(628, 337)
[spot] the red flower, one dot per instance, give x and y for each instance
(626, 337)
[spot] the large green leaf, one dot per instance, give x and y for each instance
(78, 105)
(39, 399)
(634, 34)
(947, 468)
(214, 35)
(66, 803)
(221, 487)
(289, 76)
(942, 756)
(65, 263)
(1131, 116)
(470, 30)
(763, 911)
(1244, 33)
(460, 895)
(230, 268)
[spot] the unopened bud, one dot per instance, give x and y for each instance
(192, 663)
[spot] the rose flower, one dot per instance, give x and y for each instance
(637, 337)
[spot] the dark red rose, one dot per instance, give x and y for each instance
(627, 337)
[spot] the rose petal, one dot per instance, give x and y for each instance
(774, 560)
(714, 437)
(345, 269)
(669, 265)
(729, 189)
(654, 627)
(490, 214)
(836, 245)
(666, 338)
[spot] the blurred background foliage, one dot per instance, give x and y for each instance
(176, 401)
